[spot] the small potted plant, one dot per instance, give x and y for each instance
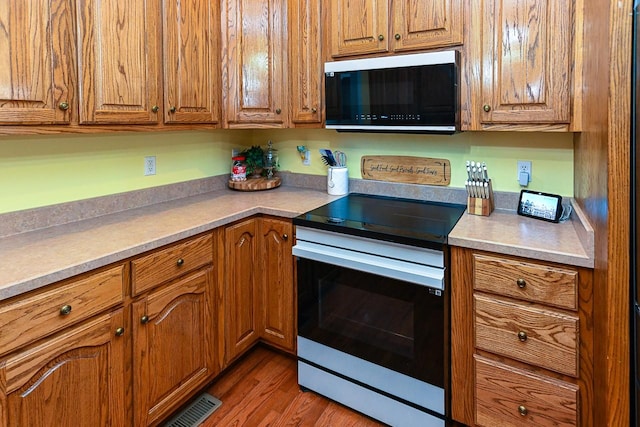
(253, 159)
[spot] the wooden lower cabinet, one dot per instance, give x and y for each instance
(523, 334)
(75, 378)
(173, 333)
(258, 285)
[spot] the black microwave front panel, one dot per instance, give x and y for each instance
(424, 95)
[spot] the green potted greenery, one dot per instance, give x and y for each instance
(253, 159)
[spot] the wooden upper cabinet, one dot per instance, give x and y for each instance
(37, 61)
(424, 24)
(118, 61)
(254, 56)
(523, 52)
(379, 26)
(305, 62)
(191, 64)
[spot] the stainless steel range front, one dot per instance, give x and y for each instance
(373, 306)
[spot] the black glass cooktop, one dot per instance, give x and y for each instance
(414, 222)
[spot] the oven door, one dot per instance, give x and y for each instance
(392, 323)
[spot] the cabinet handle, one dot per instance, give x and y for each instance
(314, 110)
(144, 319)
(523, 410)
(120, 332)
(65, 309)
(486, 108)
(155, 109)
(63, 106)
(180, 262)
(278, 111)
(521, 283)
(285, 237)
(522, 336)
(172, 109)
(380, 37)
(397, 36)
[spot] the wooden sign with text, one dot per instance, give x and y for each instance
(407, 169)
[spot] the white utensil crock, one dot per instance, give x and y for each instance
(337, 180)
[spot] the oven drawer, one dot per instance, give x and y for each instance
(34, 317)
(170, 263)
(508, 396)
(545, 338)
(525, 280)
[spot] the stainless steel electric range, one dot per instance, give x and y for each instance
(373, 306)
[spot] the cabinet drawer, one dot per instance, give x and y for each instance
(533, 335)
(167, 264)
(30, 318)
(529, 281)
(508, 396)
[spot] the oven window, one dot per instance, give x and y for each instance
(392, 323)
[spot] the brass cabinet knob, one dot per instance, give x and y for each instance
(63, 106)
(523, 410)
(155, 109)
(486, 108)
(380, 37)
(521, 283)
(144, 319)
(314, 110)
(180, 262)
(522, 336)
(173, 109)
(65, 309)
(285, 237)
(278, 111)
(120, 332)
(397, 36)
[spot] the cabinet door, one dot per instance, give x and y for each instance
(191, 65)
(173, 345)
(118, 56)
(76, 378)
(37, 68)
(254, 53)
(277, 289)
(305, 62)
(424, 24)
(359, 27)
(525, 61)
(242, 297)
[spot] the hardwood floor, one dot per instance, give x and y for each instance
(262, 390)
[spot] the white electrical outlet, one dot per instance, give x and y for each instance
(524, 172)
(150, 165)
(307, 158)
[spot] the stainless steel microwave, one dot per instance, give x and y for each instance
(407, 93)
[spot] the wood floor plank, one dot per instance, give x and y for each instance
(261, 389)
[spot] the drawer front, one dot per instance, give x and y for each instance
(541, 337)
(34, 317)
(532, 282)
(167, 264)
(507, 396)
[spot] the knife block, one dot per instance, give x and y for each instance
(481, 206)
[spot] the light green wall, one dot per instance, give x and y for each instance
(43, 170)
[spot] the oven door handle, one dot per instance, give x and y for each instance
(382, 266)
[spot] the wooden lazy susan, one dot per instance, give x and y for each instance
(255, 184)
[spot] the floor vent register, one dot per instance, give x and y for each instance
(198, 411)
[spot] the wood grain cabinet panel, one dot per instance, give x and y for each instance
(424, 24)
(534, 335)
(30, 318)
(254, 63)
(359, 27)
(37, 62)
(507, 396)
(191, 61)
(76, 378)
(173, 333)
(167, 264)
(118, 61)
